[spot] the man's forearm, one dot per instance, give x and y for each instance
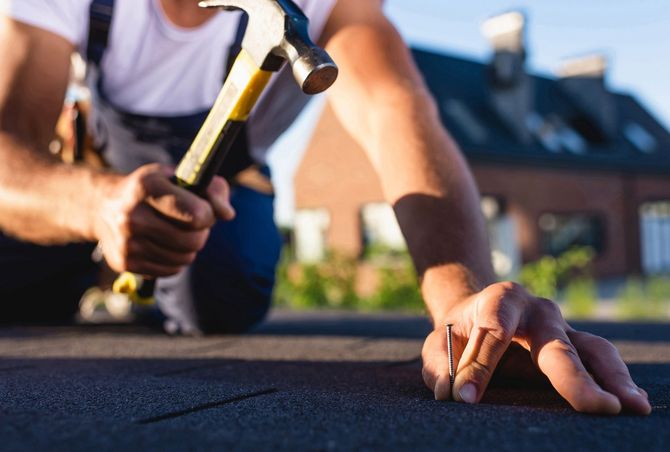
(435, 198)
(43, 200)
(383, 102)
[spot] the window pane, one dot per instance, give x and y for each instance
(655, 237)
(310, 230)
(380, 228)
(559, 233)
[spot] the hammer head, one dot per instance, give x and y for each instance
(278, 32)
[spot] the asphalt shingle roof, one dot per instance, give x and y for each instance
(317, 381)
(453, 78)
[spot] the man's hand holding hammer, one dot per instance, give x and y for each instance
(147, 225)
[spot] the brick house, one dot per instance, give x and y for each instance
(559, 162)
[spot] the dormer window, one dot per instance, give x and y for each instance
(639, 137)
(461, 114)
(554, 134)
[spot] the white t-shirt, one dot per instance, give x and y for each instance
(152, 67)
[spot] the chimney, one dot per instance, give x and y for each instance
(511, 87)
(583, 79)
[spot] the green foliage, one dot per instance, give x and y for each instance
(658, 294)
(331, 284)
(379, 251)
(398, 289)
(541, 277)
(580, 298)
(631, 300)
(544, 276)
(644, 300)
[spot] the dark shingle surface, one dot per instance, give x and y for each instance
(318, 381)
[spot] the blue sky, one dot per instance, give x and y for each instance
(635, 35)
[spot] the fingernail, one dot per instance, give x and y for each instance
(468, 393)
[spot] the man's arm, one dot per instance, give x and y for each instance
(144, 223)
(383, 102)
(33, 81)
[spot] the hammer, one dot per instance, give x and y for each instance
(277, 33)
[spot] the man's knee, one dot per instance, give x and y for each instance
(234, 308)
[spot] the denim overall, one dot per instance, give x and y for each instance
(229, 286)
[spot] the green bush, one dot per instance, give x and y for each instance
(398, 289)
(541, 277)
(580, 298)
(644, 300)
(331, 284)
(544, 276)
(658, 295)
(631, 300)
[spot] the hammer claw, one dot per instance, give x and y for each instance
(278, 32)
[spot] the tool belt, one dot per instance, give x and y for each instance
(73, 145)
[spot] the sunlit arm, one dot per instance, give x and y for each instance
(383, 102)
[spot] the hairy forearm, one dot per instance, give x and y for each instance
(383, 102)
(436, 201)
(43, 200)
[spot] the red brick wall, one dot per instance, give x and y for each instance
(531, 192)
(336, 174)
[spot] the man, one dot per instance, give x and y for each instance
(162, 67)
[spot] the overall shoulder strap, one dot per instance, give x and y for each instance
(100, 22)
(239, 156)
(236, 46)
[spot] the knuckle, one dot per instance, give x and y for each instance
(219, 186)
(603, 344)
(505, 290)
(202, 214)
(547, 308)
(510, 287)
(621, 376)
(131, 223)
(496, 318)
(182, 259)
(562, 345)
(140, 185)
(145, 179)
(498, 334)
(557, 344)
(193, 242)
(480, 372)
(591, 340)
